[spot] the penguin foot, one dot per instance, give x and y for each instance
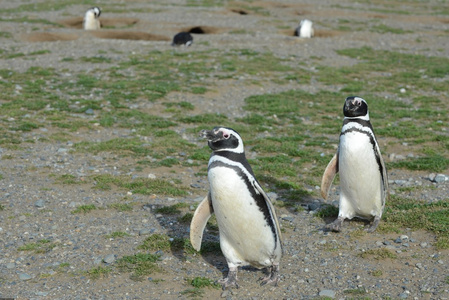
(374, 225)
(272, 277)
(230, 281)
(336, 225)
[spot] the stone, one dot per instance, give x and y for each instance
(39, 203)
(327, 293)
(109, 259)
(24, 276)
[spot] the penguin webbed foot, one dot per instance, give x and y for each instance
(336, 225)
(373, 225)
(230, 281)
(272, 277)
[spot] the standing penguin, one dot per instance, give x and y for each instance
(305, 29)
(91, 19)
(363, 177)
(247, 223)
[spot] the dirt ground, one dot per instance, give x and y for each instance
(316, 263)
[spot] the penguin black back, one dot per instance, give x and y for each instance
(182, 38)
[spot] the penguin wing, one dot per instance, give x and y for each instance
(270, 207)
(328, 176)
(385, 193)
(199, 221)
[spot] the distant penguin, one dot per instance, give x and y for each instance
(247, 223)
(305, 29)
(182, 38)
(363, 177)
(91, 19)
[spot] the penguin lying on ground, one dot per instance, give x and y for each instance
(363, 177)
(91, 19)
(305, 29)
(182, 38)
(247, 223)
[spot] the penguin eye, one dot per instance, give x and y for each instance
(226, 135)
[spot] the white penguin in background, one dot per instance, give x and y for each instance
(91, 19)
(363, 177)
(305, 29)
(247, 223)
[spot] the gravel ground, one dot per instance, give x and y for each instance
(315, 262)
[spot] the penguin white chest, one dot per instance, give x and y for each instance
(245, 235)
(360, 177)
(90, 22)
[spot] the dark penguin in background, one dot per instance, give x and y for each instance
(248, 226)
(363, 177)
(182, 38)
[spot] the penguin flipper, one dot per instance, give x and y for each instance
(270, 207)
(199, 221)
(328, 176)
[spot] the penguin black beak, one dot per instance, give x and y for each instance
(211, 135)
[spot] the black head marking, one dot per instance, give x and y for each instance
(223, 138)
(97, 11)
(355, 107)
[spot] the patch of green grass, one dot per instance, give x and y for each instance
(2, 207)
(121, 206)
(145, 186)
(376, 273)
(41, 246)
(84, 209)
(428, 216)
(382, 28)
(156, 242)
(185, 219)
(140, 264)
(171, 209)
(433, 163)
(5, 34)
(327, 211)
(68, 179)
(357, 291)
(154, 186)
(99, 272)
(198, 284)
(378, 254)
(117, 234)
(96, 59)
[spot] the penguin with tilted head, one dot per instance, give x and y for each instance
(247, 223)
(91, 19)
(363, 177)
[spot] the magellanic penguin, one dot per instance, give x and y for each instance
(305, 29)
(182, 38)
(248, 227)
(363, 177)
(91, 19)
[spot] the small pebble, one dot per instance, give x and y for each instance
(327, 293)
(24, 276)
(109, 259)
(39, 203)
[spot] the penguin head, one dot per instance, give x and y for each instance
(356, 107)
(223, 139)
(95, 11)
